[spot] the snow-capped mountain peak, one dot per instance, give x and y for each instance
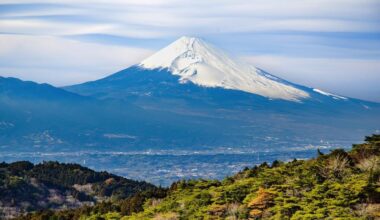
(200, 63)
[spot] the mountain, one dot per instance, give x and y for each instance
(32, 113)
(189, 96)
(189, 67)
(191, 77)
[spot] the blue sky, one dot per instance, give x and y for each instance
(333, 45)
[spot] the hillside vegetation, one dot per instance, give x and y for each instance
(338, 185)
(25, 187)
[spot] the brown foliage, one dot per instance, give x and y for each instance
(263, 200)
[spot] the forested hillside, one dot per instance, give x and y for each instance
(338, 185)
(25, 187)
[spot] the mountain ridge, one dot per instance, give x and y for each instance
(15, 87)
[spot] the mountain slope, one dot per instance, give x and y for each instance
(137, 84)
(39, 117)
(32, 113)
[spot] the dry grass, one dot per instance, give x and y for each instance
(166, 216)
(371, 163)
(335, 166)
(370, 211)
(233, 211)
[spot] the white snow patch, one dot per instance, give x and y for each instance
(194, 60)
(329, 94)
(118, 136)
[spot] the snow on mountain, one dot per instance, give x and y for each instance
(329, 94)
(200, 63)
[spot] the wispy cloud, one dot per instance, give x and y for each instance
(62, 61)
(170, 18)
(346, 31)
(345, 76)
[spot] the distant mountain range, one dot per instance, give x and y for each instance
(188, 95)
